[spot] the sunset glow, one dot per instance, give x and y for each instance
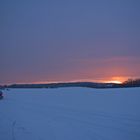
(68, 41)
(117, 80)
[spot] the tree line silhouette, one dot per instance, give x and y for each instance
(131, 83)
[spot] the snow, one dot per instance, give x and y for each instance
(70, 114)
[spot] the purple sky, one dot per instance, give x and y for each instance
(61, 40)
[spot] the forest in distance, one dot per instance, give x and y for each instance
(128, 83)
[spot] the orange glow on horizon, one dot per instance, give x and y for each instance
(117, 80)
(109, 79)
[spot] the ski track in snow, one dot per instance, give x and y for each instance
(70, 114)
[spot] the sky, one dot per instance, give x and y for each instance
(69, 40)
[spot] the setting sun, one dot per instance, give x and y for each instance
(117, 80)
(114, 81)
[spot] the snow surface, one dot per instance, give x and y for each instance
(70, 114)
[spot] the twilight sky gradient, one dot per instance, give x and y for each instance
(68, 40)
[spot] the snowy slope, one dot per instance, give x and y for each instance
(70, 114)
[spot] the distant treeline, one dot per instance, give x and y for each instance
(128, 83)
(131, 83)
(58, 85)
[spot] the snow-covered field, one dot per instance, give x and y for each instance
(70, 114)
